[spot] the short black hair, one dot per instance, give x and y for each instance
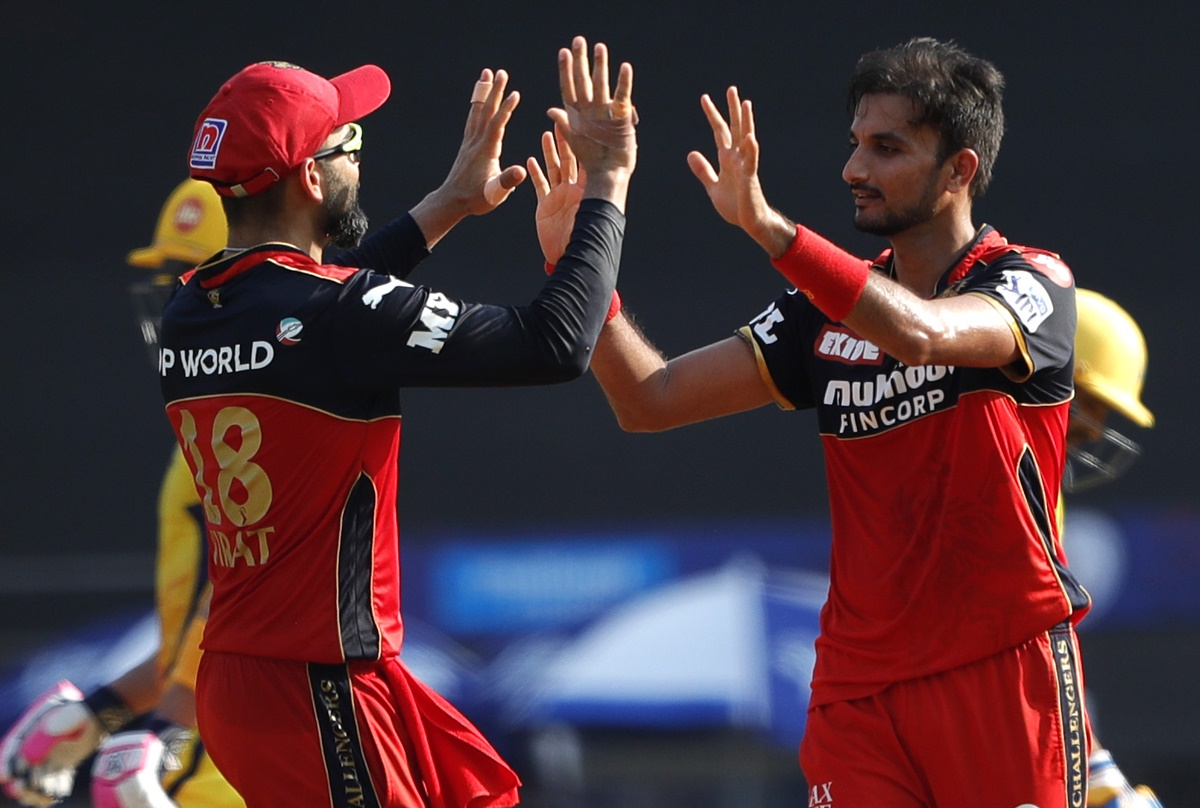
(957, 93)
(264, 206)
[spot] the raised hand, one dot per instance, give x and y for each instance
(559, 191)
(476, 175)
(596, 121)
(735, 190)
(476, 184)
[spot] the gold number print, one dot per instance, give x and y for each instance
(187, 430)
(233, 466)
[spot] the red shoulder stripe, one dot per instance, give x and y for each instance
(305, 264)
(285, 258)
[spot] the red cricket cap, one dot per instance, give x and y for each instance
(269, 117)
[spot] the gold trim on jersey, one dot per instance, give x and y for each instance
(1018, 334)
(780, 400)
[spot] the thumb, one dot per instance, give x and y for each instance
(512, 176)
(703, 169)
(497, 189)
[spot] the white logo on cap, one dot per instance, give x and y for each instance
(208, 143)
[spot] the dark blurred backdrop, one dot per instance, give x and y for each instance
(99, 102)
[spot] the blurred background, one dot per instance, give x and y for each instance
(630, 617)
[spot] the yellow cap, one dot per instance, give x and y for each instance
(190, 228)
(1110, 356)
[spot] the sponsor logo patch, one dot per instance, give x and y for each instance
(208, 143)
(1027, 298)
(375, 294)
(843, 345)
(188, 215)
(288, 331)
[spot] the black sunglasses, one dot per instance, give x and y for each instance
(351, 146)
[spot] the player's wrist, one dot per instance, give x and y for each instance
(830, 277)
(109, 709)
(614, 304)
(614, 307)
(611, 185)
(774, 232)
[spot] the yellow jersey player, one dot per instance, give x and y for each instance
(155, 759)
(1110, 363)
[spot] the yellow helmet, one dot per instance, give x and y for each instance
(191, 227)
(1110, 356)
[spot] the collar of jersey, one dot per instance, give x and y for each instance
(987, 241)
(224, 270)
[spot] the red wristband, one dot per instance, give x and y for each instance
(832, 278)
(614, 306)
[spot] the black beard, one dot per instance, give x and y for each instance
(345, 221)
(347, 228)
(894, 222)
(901, 220)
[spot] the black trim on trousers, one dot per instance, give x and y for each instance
(341, 744)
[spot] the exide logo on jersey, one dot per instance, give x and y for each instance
(843, 345)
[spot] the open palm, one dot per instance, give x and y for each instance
(559, 191)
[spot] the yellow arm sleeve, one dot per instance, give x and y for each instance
(187, 661)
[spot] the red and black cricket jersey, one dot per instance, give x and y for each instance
(282, 381)
(943, 481)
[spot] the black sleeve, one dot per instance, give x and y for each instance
(783, 352)
(395, 249)
(390, 332)
(1038, 291)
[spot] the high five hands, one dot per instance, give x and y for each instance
(593, 148)
(596, 122)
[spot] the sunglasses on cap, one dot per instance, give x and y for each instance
(350, 146)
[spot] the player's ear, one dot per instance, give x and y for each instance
(309, 175)
(963, 166)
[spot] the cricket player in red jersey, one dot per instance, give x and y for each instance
(947, 671)
(282, 379)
